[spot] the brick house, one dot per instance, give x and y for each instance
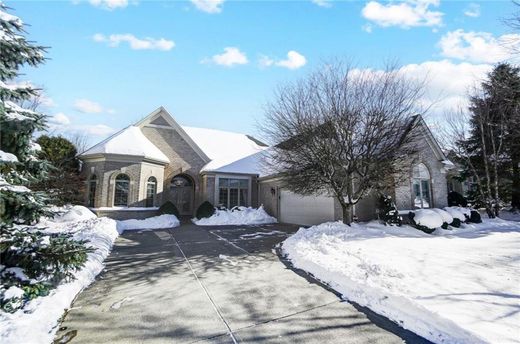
(133, 172)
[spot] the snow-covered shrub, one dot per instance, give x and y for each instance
(446, 217)
(205, 210)
(458, 216)
(466, 213)
(387, 211)
(426, 220)
(169, 208)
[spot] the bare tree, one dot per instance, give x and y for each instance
(343, 131)
(80, 141)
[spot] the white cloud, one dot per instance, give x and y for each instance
(405, 14)
(448, 83)
(59, 119)
(230, 57)
(89, 106)
(478, 46)
(93, 129)
(367, 28)
(109, 4)
(135, 43)
(473, 10)
(208, 6)
(323, 3)
(294, 60)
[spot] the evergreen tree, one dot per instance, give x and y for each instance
(64, 184)
(32, 261)
(494, 140)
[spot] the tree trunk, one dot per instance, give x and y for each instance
(515, 187)
(347, 213)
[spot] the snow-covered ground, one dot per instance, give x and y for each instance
(455, 286)
(37, 321)
(241, 216)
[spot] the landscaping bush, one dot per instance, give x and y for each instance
(425, 220)
(206, 209)
(475, 217)
(455, 199)
(446, 218)
(387, 211)
(169, 208)
(457, 214)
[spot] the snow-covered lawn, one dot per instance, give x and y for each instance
(240, 216)
(37, 321)
(455, 286)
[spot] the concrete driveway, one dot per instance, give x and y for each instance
(215, 285)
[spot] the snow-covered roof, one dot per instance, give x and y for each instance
(129, 141)
(226, 150)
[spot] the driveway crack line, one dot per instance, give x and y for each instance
(215, 307)
(229, 242)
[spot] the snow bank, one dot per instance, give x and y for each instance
(72, 213)
(37, 321)
(156, 222)
(240, 216)
(456, 286)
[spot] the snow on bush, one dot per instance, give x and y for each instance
(427, 218)
(446, 217)
(71, 213)
(456, 213)
(443, 287)
(465, 211)
(37, 321)
(156, 222)
(237, 216)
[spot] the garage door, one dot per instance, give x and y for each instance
(305, 210)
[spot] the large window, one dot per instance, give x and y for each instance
(233, 192)
(151, 191)
(121, 190)
(92, 183)
(421, 187)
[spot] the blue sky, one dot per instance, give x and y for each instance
(112, 62)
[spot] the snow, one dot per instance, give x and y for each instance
(456, 213)
(37, 321)
(456, 286)
(428, 218)
(156, 222)
(129, 141)
(224, 148)
(510, 215)
(240, 216)
(70, 214)
(8, 157)
(10, 18)
(446, 217)
(13, 292)
(4, 185)
(126, 208)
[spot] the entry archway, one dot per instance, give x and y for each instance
(181, 193)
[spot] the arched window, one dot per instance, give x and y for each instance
(92, 183)
(151, 191)
(421, 186)
(121, 190)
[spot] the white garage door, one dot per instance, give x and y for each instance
(305, 210)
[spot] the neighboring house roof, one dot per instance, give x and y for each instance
(129, 141)
(223, 147)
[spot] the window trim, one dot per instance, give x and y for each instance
(115, 187)
(154, 196)
(93, 178)
(420, 179)
(231, 176)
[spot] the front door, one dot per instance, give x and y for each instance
(181, 190)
